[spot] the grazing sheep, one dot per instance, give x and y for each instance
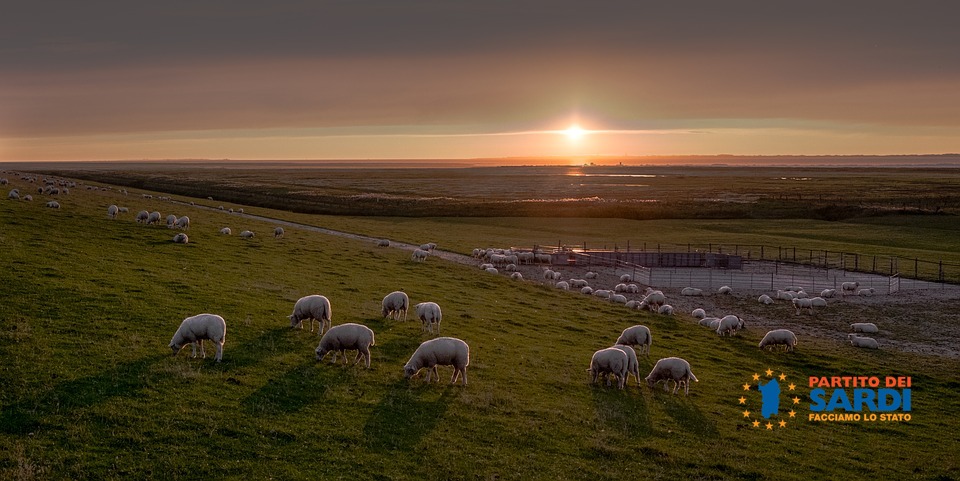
(315, 308)
(633, 305)
(638, 335)
(181, 238)
(782, 337)
(590, 275)
(347, 337)
(865, 342)
(142, 216)
(516, 276)
(725, 290)
(699, 313)
(563, 285)
(183, 223)
(53, 204)
(278, 232)
(195, 329)
(672, 369)
(171, 221)
(28, 198)
(866, 292)
(618, 299)
(578, 283)
(511, 268)
(419, 255)
(850, 287)
(786, 295)
(247, 234)
(827, 293)
(492, 270)
(124, 210)
(226, 231)
(442, 351)
(626, 278)
(112, 211)
(548, 275)
(609, 361)
(604, 293)
(691, 291)
(633, 366)
(801, 295)
(383, 243)
(868, 327)
(707, 321)
(730, 325)
(430, 315)
(666, 310)
(14, 195)
(765, 299)
(586, 290)
(154, 218)
(395, 305)
(801, 304)
(621, 287)
(818, 302)
(654, 300)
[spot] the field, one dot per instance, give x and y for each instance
(89, 389)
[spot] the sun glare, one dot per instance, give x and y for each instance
(574, 132)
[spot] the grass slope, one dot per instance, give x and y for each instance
(88, 388)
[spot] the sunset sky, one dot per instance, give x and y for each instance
(467, 79)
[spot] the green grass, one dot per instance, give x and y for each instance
(88, 389)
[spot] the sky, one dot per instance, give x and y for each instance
(455, 79)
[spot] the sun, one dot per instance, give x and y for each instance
(574, 132)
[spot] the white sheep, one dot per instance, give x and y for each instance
(347, 337)
(315, 308)
(801, 304)
(14, 195)
(181, 238)
(730, 325)
(578, 283)
(419, 255)
(171, 220)
(725, 290)
(548, 275)
(442, 351)
(183, 223)
(691, 291)
(112, 211)
(590, 275)
(783, 337)
(764, 299)
(672, 369)
(154, 218)
(604, 293)
(621, 287)
(818, 302)
(654, 299)
(828, 293)
(699, 313)
(240, 210)
(511, 268)
(395, 305)
(868, 327)
(196, 329)
(429, 315)
(609, 361)
(383, 243)
(633, 288)
(53, 204)
(793, 288)
(278, 232)
(865, 342)
(618, 299)
(626, 278)
(28, 198)
(492, 270)
(866, 292)
(516, 276)
(142, 216)
(226, 231)
(563, 285)
(850, 287)
(586, 290)
(786, 295)
(709, 322)
(247, 234)
(666, 310)
(801, 295)
(638, 335)
(124, 210)
(632, 305)
(633, 366)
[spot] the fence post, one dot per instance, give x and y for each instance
(916, 268)
(940, 275)
(761, 251)
(874, 264)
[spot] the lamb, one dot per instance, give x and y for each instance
(590, 275)
(278, 232)
(765, 299)
(563, 285)
(142, 216)
(618, 299)
(112, 211)
(154, 218)
(194, 330)
(578, 283)
(171, 220)
(181, 238)
(632, 305)
(586, 290)
(866, 292)
(725, 290)
(782, 337)
(442, 351)
(226, 231)
(315, 308)
(53, 204)
(666, 310)
(183, 223)
(633, 366)
(626, 278)
(430, 315)
(864, 327)
(691, 291)
(247, 234)
(347, 337)
(699, 313)
(609, 361)
(730, 325)
(14, 195)
(516, 276)
(638, 335)
(672, 369)
(492, 270)
(827, 293)
(865, 342)
(419, 255)
(383, 243)
(850, 287)
(395, 305)
(801, 304)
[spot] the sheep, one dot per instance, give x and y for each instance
(638, 335)
(492, 270)
(793, 289)
(699, 313)
(53, 204)
(801, 295)
(442, 351)
(633, 288)
(220, 207)
(590, 275)
(618, 299)
(247, 234)
(672, 369)
(850, 287)
(315, 308)
(827, 293)
(516, 276)
(485, 266)
(633, 366)
(183, 223)
(195, 329)
(181, 238)
(609, 361)
(563, 285)
(511, 268)
(14, 195)
(419, 255)
(707, 321)
(430, 315)
(124, 210)
(801, 304)
(28, 198)
(383, 243)
(626, 278)
(428, 247)
(226, 231)
(730, 325)
(557, 275)
(171, 220)
(865, 342)
(586, 290)
(347, 337)
(765, 299)
(278, 232)
(691, 291)
(621, 287)
(632, 305)
(604, 293)
(818, 302)
(548, 275)
(785, 295)
(866, 292)
(782, 337)
(240, 210)
(864, 327)
(142, 216)
(578, 283)
(654, 299)
(154, 218)
(112, 211)
(666, 310)
(725, 290)
(395, 305)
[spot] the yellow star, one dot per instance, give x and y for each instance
(756, 424)
(782, 376)
(743, 400)
(783, 423)
(756, 377)
(746, 414)
(793, 386)
(793, 413)
(769, 372)
(796, 400)
(746, 387)
(769, 426)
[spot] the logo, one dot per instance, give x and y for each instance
(860, 398)
(770, 388)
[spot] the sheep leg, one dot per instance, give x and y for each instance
(193, 349)
(345, 359)
(219, 346)
(334, 361)
(456, 374)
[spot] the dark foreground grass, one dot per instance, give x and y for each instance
(88, 389)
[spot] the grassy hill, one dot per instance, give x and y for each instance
(89, 390)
